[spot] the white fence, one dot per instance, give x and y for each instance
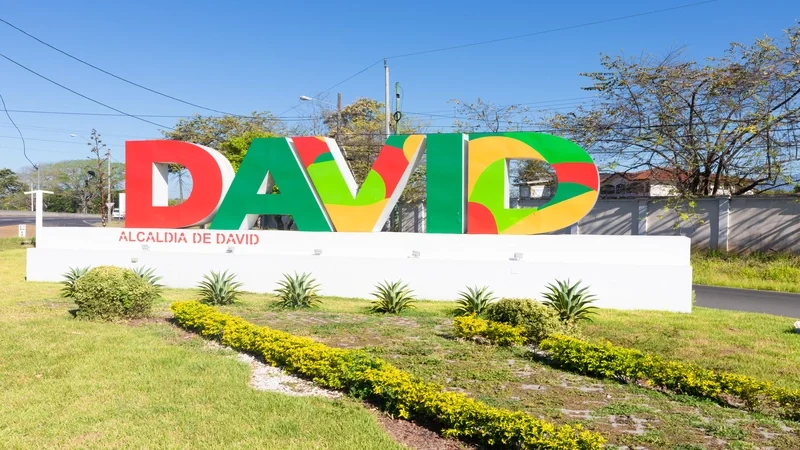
(738, 224)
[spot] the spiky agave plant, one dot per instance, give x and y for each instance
(474, 300)
(70, 278)
(392, 298)
(219, 288)
(572, 303)
(150, 276)
(297, 291)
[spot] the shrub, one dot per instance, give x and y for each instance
(474, 300)
(70, 278)
(629, 365)
(298, 291)
(538, 320)
(469, 327)
(219, 288)
(472, 327)
(392, 298)
(572, 304)
(109, 293)
(396, 391)
(150, 276)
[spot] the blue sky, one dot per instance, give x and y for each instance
(244, 56)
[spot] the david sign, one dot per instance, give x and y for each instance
(466, 183)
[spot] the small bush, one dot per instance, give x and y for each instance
(392, 298)
(503, 334)
(110, 293)
(538, 320)
(150, 276)
(474, 300)
(471, 327)
(219, 288)
(298, 291)
(70, 278)
(572, 303)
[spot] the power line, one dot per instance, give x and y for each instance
(552, 30)
(81, 95)
(24, 147)
(109, 73)
(153, 116)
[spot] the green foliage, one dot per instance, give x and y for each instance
(396, 391)
(472, 327)
(474, 300)
(110, 293)
(150, 276)
(469, 327)
(236, 146)
(219, 288)
(70, 278)
(538, 320)
(392, 298)
(572, 304)
(628, 365)
(298, 291)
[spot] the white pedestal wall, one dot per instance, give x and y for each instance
(624, 272)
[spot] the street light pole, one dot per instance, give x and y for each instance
(386, 106)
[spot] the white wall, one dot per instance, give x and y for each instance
(625, 272)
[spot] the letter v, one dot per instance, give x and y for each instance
(368, 208)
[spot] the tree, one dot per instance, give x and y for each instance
(99, 176)
(362, 134)
(11, 189)
(74, 188)
(729, 125)
(213, 131)
(482, 116)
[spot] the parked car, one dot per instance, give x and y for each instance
(116, 214)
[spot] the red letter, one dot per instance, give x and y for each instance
(147, 189)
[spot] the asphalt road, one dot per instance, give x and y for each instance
(776, 303)
(7, 220)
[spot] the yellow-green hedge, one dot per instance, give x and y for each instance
(373, 379)
(609, 361)
(470, 327)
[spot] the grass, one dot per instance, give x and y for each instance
(758, 345)
(763, 271)
(75, 384)
(421, 342)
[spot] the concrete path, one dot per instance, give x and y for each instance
(775, 303)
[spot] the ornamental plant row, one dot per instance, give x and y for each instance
(377, 381)
(628, 365)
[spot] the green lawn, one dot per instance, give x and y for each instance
(763, 271)
(74, 384)
(420, 341)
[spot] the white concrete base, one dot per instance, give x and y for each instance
(624, 272)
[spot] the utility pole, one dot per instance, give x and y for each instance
(108, 157)
(386, 106)
(339, 117)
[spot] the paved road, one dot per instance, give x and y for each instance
(776, 303)
(6, 220)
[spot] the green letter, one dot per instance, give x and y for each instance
(446, 183)
(250, 195)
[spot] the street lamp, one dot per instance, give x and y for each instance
(338, 106)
